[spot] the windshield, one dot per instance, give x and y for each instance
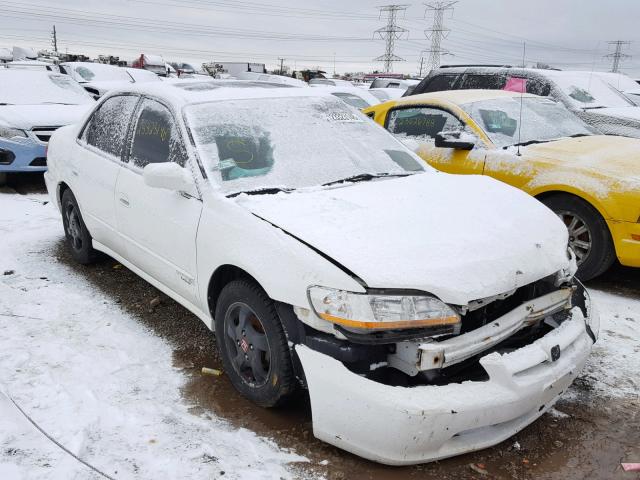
(542, 120)
(21, 87)
(590, 91)
(101, 73)
(292, 142)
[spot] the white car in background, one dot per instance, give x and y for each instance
(326, 254)
(356, 97)
(268, 77)
(329, 82)
(386, 94)
(99, 78)
(33, 104)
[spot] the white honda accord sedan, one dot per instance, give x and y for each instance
(428, 314)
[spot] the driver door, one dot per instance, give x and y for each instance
(417, 128)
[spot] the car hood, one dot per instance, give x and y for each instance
(460, 238)
(610, 155)
(632, 113)
(26, 117)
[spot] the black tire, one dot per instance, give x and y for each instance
(252, 343)
(76, 233)
(592, 229)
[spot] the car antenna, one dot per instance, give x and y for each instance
(522, 87)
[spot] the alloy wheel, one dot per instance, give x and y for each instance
(580, 239)
(247, 344)
(74, 229)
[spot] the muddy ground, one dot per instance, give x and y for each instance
(584, 437)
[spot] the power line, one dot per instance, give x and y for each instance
(617, 55)
(437, 31)
(391, 32)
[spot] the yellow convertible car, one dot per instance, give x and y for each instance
(591, 181)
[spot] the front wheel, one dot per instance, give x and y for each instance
(253, 345)
(589, 235)
(75, 231)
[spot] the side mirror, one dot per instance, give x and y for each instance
(169, 176)
(456, 140)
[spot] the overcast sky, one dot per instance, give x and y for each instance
(569, 34)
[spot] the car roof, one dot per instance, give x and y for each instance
(185, 93)
(460, 97)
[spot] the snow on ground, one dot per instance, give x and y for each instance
(102, 385)
(615, 360)
(95, 379)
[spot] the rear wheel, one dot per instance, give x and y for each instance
(253, 345)
(76, 233)
(589, 235)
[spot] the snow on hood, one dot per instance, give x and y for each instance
(619, 112)
(617, 157)
(26, 117)
(460, 238)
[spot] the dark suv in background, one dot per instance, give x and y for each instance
(584, 93)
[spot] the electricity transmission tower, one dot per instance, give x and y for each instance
(54, 39)
(617, 55)
(391, 32)
(437, 31)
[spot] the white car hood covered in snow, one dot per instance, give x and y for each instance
(460, 238)
(28, 116)
(620, 112)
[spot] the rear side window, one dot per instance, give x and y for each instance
(107, 127)
(421, 122)
(484, 82)
(156, 138)
(439, 83)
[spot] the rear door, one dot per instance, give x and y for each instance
(158, 226)
(418, 126)
(95, 169)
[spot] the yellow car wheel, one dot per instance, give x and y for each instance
(589, 236)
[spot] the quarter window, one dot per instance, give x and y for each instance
(422, 122)
(107, 127)
(156, 138)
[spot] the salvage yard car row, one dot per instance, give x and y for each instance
(427, 313)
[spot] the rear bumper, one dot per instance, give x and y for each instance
(402, 426)
(626, 237)
(22, 156)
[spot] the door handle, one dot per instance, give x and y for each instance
(124, 201)
(74, 173)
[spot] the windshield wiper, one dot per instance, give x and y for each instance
(262, 191)
(5, 103)
(578, 135)
(363, 177)
(524, 144)
(57, 103)
(594, 108)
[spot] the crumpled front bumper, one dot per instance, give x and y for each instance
(402, 426)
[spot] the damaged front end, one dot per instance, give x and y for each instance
(471, 378)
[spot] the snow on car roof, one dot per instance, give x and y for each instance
(460, 97)
(180, 94)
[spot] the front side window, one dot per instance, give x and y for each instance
(156, 137)
(107, 128)
(292, 142)
(422, 122)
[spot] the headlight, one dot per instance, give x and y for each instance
(7, 132)
(381, 312)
